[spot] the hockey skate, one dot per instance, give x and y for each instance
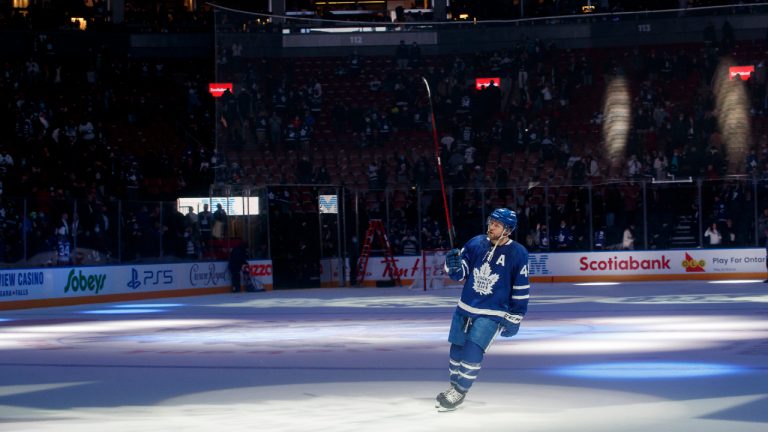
(450, 399)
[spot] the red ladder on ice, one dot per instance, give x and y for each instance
(376, 227)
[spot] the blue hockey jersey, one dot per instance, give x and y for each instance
(495, 286)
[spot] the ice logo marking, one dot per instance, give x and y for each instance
(484, 279)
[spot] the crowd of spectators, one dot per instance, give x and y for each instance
(87, 135)
(95, 137)
(540, 124)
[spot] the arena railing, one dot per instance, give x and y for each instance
(322, 220)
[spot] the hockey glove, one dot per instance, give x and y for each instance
(511, 325)
(453, 264)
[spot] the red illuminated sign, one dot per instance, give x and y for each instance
(218, 89)
(481, 83)
(741, 72)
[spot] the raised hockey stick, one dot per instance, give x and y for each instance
(439, 165)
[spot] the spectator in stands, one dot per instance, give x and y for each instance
(634, 167)
(713, 237)
(409, 243)
(660, 165)
(600, 238)
(578, 172)
(374, 83)
(205, 224)
(543, 237)
(730, 235)
(564, 237)
(63, 243)
(275, 130)
(628, 239)
(354, 64)
(220, 226)
(321, 176)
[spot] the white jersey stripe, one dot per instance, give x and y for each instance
(515, 319)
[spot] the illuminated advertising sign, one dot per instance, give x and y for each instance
(218, 89)
(208, 275)
(78, 281)
(692, 265)
(328, 204)
(233, 206)
(740, 72)
(149, 278)
(481, 83)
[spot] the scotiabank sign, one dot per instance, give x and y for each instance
(624, 264)
(694, 263)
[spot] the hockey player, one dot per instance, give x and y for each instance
(494, 300)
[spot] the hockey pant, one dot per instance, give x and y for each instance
(470, 338)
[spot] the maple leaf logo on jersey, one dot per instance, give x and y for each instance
(484, 279)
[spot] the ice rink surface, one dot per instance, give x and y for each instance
(666, 356)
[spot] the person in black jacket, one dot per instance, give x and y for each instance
(238, 258)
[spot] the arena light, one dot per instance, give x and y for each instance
(617, 111)
(733, 117)
(648, 370)
(82, 24)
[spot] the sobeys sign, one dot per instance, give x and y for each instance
(80, 282)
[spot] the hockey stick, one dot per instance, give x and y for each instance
(439, 164)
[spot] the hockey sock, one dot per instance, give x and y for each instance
(454, 362)
(469, 367)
